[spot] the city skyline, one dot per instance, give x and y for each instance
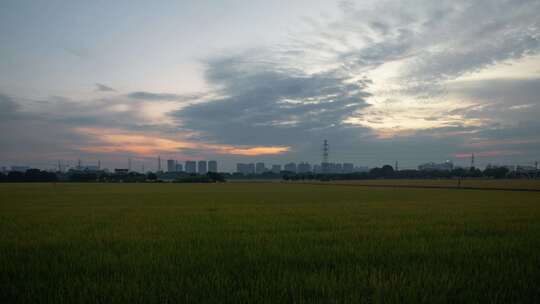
(268, 81)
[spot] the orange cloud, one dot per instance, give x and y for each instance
(257, 151)
(120, 141)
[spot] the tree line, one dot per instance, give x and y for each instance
(40, 176)
(387, 172)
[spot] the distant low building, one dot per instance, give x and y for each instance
(90, 168)
(331, 168)
(431, 166)
(526, 169)
(361, 169)
(21, 169)
(121, 171)
(179, 168)
(348, 168)
(303, 167)
(276, 169)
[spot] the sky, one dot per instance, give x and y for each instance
(245, 81)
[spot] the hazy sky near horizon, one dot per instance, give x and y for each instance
(242, 81)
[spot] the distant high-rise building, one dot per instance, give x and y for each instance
(260, 168)
(241, 168)
(202, 169)
(291, 167)
(245, 168)
(251, 168)
(212, 166)
(276, 169)
(191, 166)
(179, 167)
(348, 168)
(304, 167)
(171, 165)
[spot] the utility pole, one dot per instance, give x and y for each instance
(129, 164)
(396, 166)
(79, 164)
(99, 164)
(59, 167)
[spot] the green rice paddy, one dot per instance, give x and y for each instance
(266, 243)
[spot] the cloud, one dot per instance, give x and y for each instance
(269, 103)
(103, 88)
(503, 101)
(7, 106)
(148, 96)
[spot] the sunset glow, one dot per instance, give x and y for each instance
(119, 141)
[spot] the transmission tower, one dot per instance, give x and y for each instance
(325, 150)
(396, 166)
(472, 161)
(159, 163)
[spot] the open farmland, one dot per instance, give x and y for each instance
(509, 184)
(235, 242)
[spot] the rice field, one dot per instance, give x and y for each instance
(511, 184)
(266, 243)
